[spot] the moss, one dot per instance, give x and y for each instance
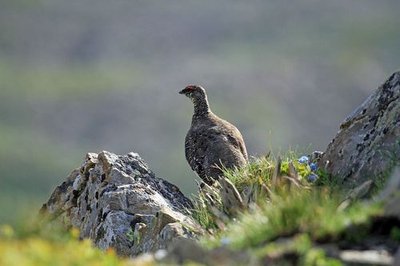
(395, 234)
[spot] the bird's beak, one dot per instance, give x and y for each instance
(184, 92)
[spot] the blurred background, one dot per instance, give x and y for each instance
(82, 76)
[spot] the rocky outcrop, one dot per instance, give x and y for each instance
(118, 202)
(368, 143)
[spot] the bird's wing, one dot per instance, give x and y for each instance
(236, 138)
(232, 134)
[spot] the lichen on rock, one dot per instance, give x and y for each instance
(368, 143)
(116, 201)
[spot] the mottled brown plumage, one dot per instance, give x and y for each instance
(211, 142)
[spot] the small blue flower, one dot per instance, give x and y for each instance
(303, 159)
(313, 167)
(312, 177)
(225, 241)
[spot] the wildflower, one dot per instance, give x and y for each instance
(303, 159)
(313, 167)
(225, 241)
(312, 177)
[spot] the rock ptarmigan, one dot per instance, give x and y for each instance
(211, 142)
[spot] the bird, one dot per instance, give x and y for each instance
(211, 143)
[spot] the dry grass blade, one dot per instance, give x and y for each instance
(220, 218)
(248, 194)
(293, 172)
(277, 172)
(291, 182)
(356, 193)
(230, 197)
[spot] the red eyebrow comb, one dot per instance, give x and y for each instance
(187, 89)
(190, 87)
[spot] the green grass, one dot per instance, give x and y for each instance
(51, 246)
(313, 213)
(258, 171)
(254, 179)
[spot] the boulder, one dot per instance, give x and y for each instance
(117, 202)
(367, 145)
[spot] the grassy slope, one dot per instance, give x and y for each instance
(304, 217)
(289, 220)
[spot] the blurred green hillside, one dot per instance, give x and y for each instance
(80, 76)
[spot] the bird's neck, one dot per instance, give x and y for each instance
(201, 108)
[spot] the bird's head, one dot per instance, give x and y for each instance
(194, 92)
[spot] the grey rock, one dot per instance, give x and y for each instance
(368, 142)
(116, 201)
(366, 257)
(390, 195)
(397, 258)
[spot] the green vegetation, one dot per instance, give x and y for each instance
(313, 213)
(287, 220)
(50, 246)
(284, 222)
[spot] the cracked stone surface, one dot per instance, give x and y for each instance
(368, 143)
(116, 201)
